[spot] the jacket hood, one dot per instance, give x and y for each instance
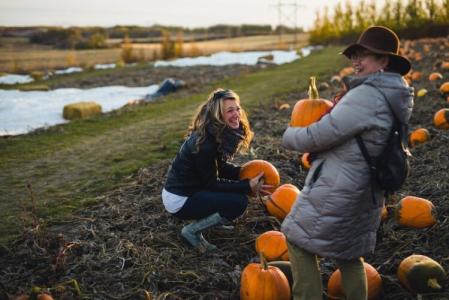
(399, 95)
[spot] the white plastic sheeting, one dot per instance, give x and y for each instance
(15, 78)
(22, 112)
(227, 58)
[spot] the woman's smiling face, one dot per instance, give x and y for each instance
(231, 113)
(365, 62)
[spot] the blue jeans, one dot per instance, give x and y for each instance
(206, 203)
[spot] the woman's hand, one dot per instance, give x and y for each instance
(257, 186)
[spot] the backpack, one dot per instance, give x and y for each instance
(391, 168)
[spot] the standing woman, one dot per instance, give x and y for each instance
(201, 183)
(335, 215)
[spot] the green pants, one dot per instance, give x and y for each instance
(307, 284)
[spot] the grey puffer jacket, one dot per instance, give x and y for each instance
(334, 215)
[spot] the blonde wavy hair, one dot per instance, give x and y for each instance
(210, 113)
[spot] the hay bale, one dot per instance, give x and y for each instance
(37, 75)
(34, 87)
(81, 110)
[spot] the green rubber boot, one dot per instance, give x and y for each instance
(192, 232)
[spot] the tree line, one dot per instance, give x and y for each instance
(411, 19)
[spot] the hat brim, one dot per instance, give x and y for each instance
(398, 63)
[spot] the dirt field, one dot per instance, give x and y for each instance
(129, 246)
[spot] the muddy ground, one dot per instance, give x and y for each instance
(194, 77)
(128, 246)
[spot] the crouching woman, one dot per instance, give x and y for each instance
(202, 185)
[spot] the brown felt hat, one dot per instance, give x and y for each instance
(381, 40)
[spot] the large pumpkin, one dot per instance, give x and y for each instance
(252, 168)
(281, 201)
(373, 279)
(273, 244)
(308, 111)
(444, 88)
(421, 274)
(263, 282)
(415, 212)
(441, 119)
(418, 136)
(435, 76)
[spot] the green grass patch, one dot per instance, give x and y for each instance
(68, 166)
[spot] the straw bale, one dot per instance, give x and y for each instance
(81, 110)
(34, 87)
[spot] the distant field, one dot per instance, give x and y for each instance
(19, 56)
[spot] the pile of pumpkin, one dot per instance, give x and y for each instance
(418, 273)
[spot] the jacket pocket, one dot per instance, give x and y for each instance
(316, 174)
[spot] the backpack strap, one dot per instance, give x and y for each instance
(369, 160)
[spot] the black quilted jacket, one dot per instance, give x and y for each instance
(204, 170)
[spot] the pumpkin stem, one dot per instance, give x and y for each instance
(313, 91)
(263, 261)
(433, 283)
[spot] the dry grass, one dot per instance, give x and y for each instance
(18, 56)
(18, 61)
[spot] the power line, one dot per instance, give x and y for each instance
(286, 16)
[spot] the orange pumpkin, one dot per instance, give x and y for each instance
(441, 119)
(336, 80)
(346, 71)
(417, 56)
(263, 282)
(445, 65)
(305, 160)
(444, 88)
(435, 76)
(273, 244)
(308, 111)
(421, 274)
(418, 136)
(335, 288)
(252, 168)
(415, 212)
(281, 201)
(416, 75)
(284, 106)
(44, 296)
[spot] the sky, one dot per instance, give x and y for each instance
(185, 13)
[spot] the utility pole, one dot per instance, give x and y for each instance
(288, 16)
